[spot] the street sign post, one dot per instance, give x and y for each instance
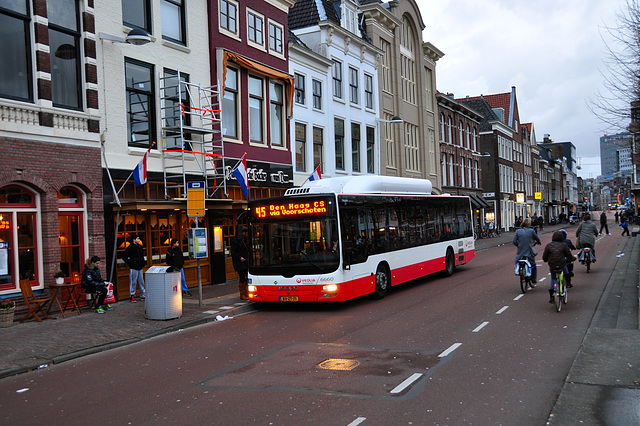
(195, 199)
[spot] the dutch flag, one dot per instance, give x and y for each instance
(140, 172)
(240, 173)
(316, 174)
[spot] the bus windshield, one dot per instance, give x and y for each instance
(301, 240)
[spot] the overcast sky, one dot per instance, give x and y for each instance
(550, 50)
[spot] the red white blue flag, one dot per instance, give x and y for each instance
(240, 173)
(140, 172)
(316, 175)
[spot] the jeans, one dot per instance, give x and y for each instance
(566, 275)
(605, 226)
(136, 277)
(184, 282)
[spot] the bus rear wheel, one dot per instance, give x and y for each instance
(450, 263)
(383, 282)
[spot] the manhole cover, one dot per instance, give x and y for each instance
(339, 364)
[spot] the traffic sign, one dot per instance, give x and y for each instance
(195, 199)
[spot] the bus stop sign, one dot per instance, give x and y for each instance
(195, 199)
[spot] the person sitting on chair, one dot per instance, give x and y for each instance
(92, 282)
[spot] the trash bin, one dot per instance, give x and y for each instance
(163, 293)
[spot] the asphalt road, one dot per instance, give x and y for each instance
(468, 349)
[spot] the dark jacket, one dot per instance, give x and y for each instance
(174, 257)
(91, 278)
(134, 256)
(557, 254)
(240, 248)
(603, 218)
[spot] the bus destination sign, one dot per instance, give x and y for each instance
(291, 209)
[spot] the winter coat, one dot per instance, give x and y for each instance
(240, 248)
(134, 256)
(174, 257)
(603, 218)
(557, 254)
(91, 278)
(524, 238)
(586, 234)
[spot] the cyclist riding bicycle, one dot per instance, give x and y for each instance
(524, 239)
(557, 254)
(569, 244)
(586, 235)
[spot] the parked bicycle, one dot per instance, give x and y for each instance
(559, 289)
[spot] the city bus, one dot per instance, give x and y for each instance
(340, 238)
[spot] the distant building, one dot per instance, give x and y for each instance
(615, 154)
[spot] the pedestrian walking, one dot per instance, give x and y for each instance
(625, 228)
(603, 223)
(617, 216)
(240, 257)
(175, 259)
(540, 223)
(134, 258)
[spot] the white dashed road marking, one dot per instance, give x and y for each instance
(504, 308)
(451, 349)
(402, 386)
(480, 327)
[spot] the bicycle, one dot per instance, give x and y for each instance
(524, 271)
(585, 258)
(559, 289)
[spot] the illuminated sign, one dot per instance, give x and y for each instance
(538, 196)
(291, 209)
(519, 197)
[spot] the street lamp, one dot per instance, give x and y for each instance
(136, 36)
(395, 120)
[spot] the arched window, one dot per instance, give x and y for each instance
(408, 62)
(461, 134)
(450, 129)
(469, 137)
(71, 237)
(20, 253)
(442, 131)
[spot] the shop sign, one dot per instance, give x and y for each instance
(265, 174)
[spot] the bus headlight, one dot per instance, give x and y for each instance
(330, 287)
(252, 288)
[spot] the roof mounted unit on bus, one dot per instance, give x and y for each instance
(366, 185)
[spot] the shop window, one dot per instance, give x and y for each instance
(163, 227)
(130, 225)
(71, 232)
(19, 250)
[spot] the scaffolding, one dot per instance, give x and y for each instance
(192, 148)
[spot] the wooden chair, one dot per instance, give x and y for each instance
(34, 304)
(93, 296)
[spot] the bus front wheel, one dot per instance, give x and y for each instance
(383, 282)
(450, 263)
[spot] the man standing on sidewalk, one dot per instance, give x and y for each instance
(134, 258)
(603, 223)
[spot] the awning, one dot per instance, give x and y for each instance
(479, 202)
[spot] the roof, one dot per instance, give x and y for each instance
(306, 13)
(482, 107)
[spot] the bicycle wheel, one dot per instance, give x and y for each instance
(565, 298)
(558, 293)
(588, 262)
(523, 282)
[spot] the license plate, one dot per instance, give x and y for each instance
(288, 298)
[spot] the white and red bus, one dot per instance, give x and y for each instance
(340, 238)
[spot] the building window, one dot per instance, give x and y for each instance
(389, 142)
(452, 180)
(19, 247)
(339, 141)
(229, 16)
(355, 147)
(407, 62)
(317, 94)
(15, 51)
(445, 181)
(173, 22)
(64, 43)
(461, 134)
(175, 102)
(255, 28)
(353, 85)
(276, 39)
(468, 135)
(385, 66)
(411, 148)
(462, 173)
(429, 89)
(230, 104)
(137, 14)
(277, 114)
(371, 149)
(300, 88)
(301, 145)
(71, 236)
(475, 139)
(318, 148)
(256, 109)
(368, 91)
(140, 103)
(442, 131)
(337, 79)
(450, 129)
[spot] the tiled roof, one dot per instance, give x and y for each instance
(306, 13)
(500, 100)
(295, 39)
(482, 107)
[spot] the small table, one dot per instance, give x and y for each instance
(73, 298)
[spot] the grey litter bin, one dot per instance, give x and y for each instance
(163, 293)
